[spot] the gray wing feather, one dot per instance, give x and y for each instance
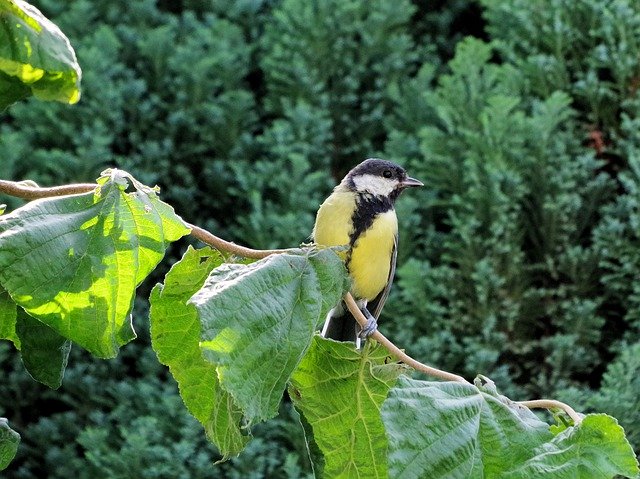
(378, 303)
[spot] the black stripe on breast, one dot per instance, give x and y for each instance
(367, 208)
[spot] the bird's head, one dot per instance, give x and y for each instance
(380, 178)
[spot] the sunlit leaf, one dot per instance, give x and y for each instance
(595, 449)
(74, 262)
(8, 313)
(456, 430)
(35, 57)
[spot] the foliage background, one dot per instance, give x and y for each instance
(519, 260)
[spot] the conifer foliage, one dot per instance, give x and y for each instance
(518, 263)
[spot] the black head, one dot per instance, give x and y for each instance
(379, 178)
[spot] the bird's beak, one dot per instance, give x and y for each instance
(408, 182)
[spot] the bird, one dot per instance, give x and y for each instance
(359, 215)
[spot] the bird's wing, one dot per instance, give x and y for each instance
(375, 306)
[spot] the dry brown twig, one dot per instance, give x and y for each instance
(30, 191)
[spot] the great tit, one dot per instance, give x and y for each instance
(360, 216)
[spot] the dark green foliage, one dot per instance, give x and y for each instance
(588, 48)
(618, 234)
(519, 260)
(618, 394)
(513, 198)
(343, 66)
(440, 24)
(327, 88)
(284, 188)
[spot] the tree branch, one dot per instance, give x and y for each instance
(552, 404)
(397, 352)
(31, 191)
(224, 245)
(447, 376)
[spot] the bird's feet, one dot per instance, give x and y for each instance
(369, 328)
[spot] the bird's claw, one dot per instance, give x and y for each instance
(369, 328)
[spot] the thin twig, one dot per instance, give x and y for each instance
(224, 245)
(447, 376)
(397, 352)
(28, 191)
(552, 404)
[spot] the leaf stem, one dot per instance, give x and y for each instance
(31, 191)
(553, 404)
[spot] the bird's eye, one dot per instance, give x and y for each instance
(387, 173)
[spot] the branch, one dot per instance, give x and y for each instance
(397, 352)
(447, 376)
(224, 245)
(28, 190)
(31, 191)
(552, 404)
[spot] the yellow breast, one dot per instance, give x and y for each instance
(333, 222)
(370, 256)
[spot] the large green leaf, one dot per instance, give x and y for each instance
(175, 336)
(8, 313)
(9, 440)
(456, 430)
(595, 449)
(74, 262)
(258, 320)
(339, 391)
(35, 57)
(44, 352)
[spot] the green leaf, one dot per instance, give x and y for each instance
(175, 336)
(258, 320)
(8, 313)
(339, 391)
(595, 449)
(44, 352)
(316, 458)
(456, 430)
(74, 262)
(9, 440)
(35, 57)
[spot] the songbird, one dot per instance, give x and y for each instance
(359, 215)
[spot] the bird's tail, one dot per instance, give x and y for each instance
(341, 325)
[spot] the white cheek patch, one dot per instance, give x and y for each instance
(375, 185)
